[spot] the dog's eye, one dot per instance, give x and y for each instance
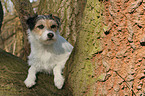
(40, 26)
(53, 26)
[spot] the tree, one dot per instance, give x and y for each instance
(108, 56)
(1, 15)
(111, 61)
(1, 20)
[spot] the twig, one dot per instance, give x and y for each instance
(125, 81)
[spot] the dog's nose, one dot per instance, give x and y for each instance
(50, 35)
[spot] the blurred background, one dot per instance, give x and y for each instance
(11, 32)
(11, 36)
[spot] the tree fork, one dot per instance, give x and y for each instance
(13, 72)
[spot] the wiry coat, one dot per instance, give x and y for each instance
(46, 57)
(47, 54)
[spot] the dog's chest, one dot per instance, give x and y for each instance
(46, 59)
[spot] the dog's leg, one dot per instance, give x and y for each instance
(58, 78)
(30, 80)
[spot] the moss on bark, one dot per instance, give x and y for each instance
(81, 69)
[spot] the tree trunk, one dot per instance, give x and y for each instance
(1, 20)
(81, 69)
(109, 58)
(1, 15)
(24, 10)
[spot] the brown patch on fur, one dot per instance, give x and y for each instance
(47, 26)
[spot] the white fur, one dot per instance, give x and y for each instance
(47, 57)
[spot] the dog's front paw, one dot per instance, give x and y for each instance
(59, 81)
(29, 83)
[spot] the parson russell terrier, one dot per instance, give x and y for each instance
(49, 50)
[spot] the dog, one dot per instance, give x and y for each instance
(49, 50)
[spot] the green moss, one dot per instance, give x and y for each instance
(81, 79)
(92, 28)
(101, 77)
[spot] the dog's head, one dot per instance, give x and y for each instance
(44, 28)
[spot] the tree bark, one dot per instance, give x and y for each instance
(1, 15)
(1, 20)
(81, 69)
(108, 58)
(24, 10)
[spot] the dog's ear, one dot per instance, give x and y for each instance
(31, 21)
(57, 19)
